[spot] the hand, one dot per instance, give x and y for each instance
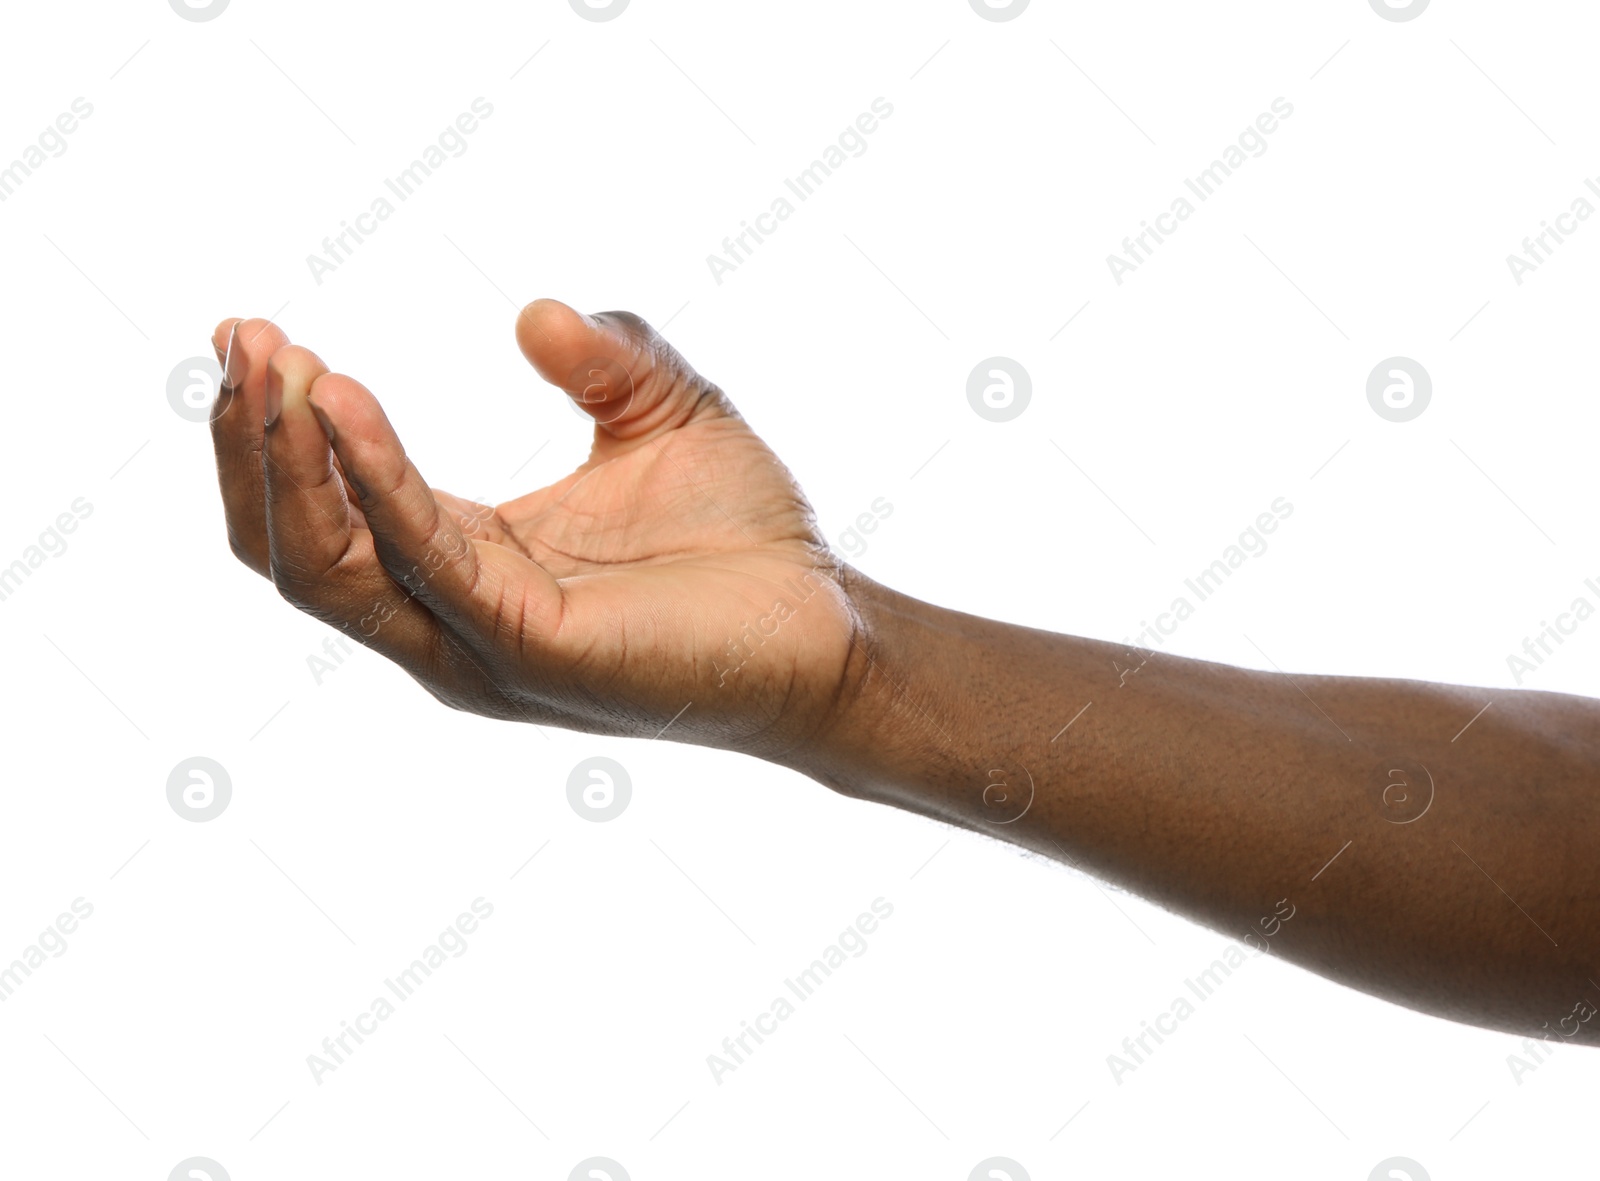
(675, 579)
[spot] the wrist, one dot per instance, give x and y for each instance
(959, 718)
(895, 730)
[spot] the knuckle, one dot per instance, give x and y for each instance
(290, 588)
(443, 558)
(630, 322)
(706, 398)
(298, 586)
(241, 549)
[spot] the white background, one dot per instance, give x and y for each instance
(1229, 370)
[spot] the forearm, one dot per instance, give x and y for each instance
(1224, 794)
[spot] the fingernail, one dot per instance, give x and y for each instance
(235, 365)
(327, 425)
(274, 395)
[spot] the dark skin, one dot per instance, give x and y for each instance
(677, 582)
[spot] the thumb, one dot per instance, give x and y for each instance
(633, 383)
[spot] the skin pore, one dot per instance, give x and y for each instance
(677, 578)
